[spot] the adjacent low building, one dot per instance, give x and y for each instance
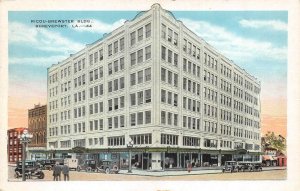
(155, 82)
(14, 147)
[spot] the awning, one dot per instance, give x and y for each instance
(269, 157)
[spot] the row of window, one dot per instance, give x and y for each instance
(116, 122)
(238, 119)
(115, 66)
(65, 101)
(225, 115)
(211, 95)
(114, 104)
(169, 77)
(210, 111)
(191, 49)
(225, 144)
(225, 129)
(116, 84)
(79, 65)
(96, 108)
(191, 68)
(169, 98)
(65, 72)
(237, 132)
(96, 141)
(172, 35)
(137, 36)
(190, 104)
(210, 143)
(169, 118)
(96, 74)
(210, 126)
(80, 80)
(191, 86)
(141, 139)
(64, 130)
(248, 85)
(96, 125)
(191, 141)
(114, 50)
(226, 86)
(96, 56)
(210, 61)
(171, 58)
(140, 118)
(138, 57)
(53, 104)
(141, 97)
(53, 91)
(210, 78)
(53, 78)
(237, 105)
(79, 112)
(65, 86)
(225, 71)
(96, 91)
(191, 122)
(238, 78)
(237, 92)
(65, 115)
(225, 100)
(140, 77)
(79, 96)
(53, 118)
(116, 141)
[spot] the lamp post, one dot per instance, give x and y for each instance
(25, 138)
(129, 146)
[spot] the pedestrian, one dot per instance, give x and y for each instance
(56, 172)
(189, 166)
(65, 171)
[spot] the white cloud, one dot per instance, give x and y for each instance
(99, 26)
(235, 47)
(270, 24)
(37, 61)
(42, 39)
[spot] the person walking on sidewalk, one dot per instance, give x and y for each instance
(189, 166)
(65, 171)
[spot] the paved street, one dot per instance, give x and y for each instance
(267, 174)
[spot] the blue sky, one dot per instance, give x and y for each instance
(255, 40)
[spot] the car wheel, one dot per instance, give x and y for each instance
(16, 175)
(223, 171)
(78, 169)
(42, 175)
(88, 169)
(107, 171)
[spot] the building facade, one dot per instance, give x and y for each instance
(157, 83)
(37, 126)
(14, 147)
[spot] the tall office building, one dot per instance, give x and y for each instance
(156, 82)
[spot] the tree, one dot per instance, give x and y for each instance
(276, 142)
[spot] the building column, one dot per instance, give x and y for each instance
(201, 159)
(156, 160)
(163, 159)
(219, 159)
(178, 160)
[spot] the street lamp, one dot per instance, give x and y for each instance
(25, 138)
(129, 146)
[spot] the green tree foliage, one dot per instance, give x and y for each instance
(276, 142)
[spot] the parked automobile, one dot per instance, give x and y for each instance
(32, 169)
(231, 166)
(257, 166)
(108, 167)
(246, 166)
(46, 164)
(87, 165)
(72, 163)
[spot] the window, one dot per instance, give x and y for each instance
(133, 59)
(169, 118)
(122, 85)
(91, 59)
(110, 86)
(140, 98)
(148, 96)
(116, 122)
(148, 52)
(95, 57)
(140, 34)
(169, 97)
(175, 119)
(175, 80)
(110, 105)
(116, 46)
(175, 59)
(122, 121)
(110, 50)
(163, 117)
(116, 84)
(132, 119)
(140, 56)
(116, 66)
(163, 53)
(140, 77)
(109, 123)
(110, 69)
(169, 77)
(122, 44)
(101, 54)
(175, 38)
(170, 35)
(147, 74)
(163, 74)
(148, 117)
(116, 103)
(163, 96)
(175, 100)
(132, 79)
(148, 30)
(170, 56)
(140, 118)
(122, 101)
(121, 63)
(132, 99)
(132, 38)
(163, 31)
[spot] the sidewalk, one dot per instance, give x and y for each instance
(184, 172)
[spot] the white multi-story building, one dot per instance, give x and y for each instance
(156, 82)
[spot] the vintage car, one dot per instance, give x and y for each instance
(257, 166)
(108, 167)
(32, 169)
(246, 166)
(231, 166)
(88, 165)
(46, 164)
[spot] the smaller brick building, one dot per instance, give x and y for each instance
(14, 147)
